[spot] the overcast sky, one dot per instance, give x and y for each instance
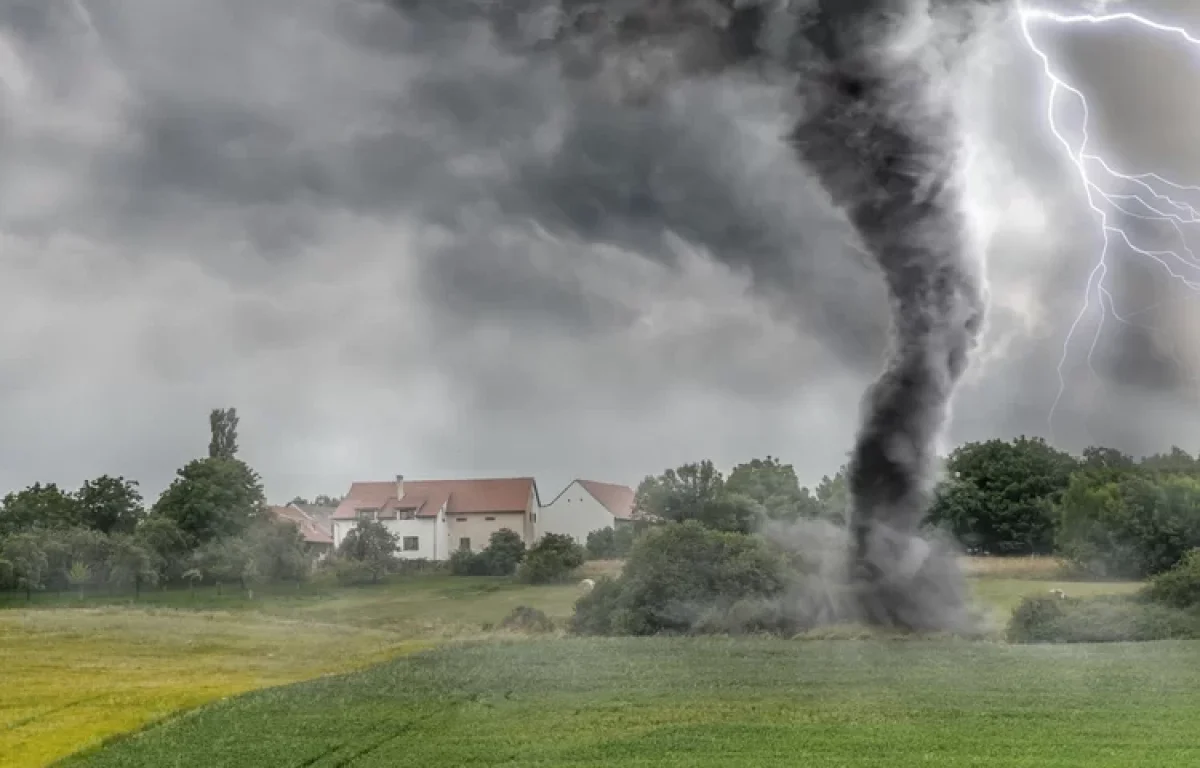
(396, 248)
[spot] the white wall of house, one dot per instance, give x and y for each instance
(479, 527)
(574, 513)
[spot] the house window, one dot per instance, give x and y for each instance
(465, 543)
(489, 518)
(460, 519)
(411, 543)
(366, 513)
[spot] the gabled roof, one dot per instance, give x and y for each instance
(312, 530)
(617, 499)
(426, 497)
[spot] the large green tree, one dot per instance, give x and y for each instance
(1130, 526)
(110, 504)
(213, 498)
(696, 492)
(38, 506)
(999, 496)
(167, 544)
(773, 485)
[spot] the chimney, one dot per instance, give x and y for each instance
(399, 487)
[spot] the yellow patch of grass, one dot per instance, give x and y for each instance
(75, 677)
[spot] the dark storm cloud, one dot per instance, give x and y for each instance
(397, 245)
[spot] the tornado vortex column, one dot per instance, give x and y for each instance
(880, 137)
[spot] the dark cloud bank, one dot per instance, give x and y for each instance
(398, 243)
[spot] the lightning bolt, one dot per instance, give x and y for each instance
(1110, 192)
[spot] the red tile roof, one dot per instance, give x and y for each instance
(426, 497)
(311, 529)
(617, 499)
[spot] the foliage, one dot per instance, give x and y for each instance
(1098, 620)
(1132, 525)
(213, 498)
(552, 559)
(610, 543)
(1000, 495)
(38, 506)
(504, 552)
(167, 545)
(696, 492)
(526, 619)
(110, 505)
(833, 494)
(130, 564)
(372, 544)
(683, 578)
(1180, 586)
(775, 487)
(223, 424)
(227, 560)
(28, 560)
(277, 548)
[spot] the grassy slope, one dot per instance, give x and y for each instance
(73, 676)
(711, 702)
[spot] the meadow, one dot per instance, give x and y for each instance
(78, 672)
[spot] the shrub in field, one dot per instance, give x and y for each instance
(526, 619)
(1099, 620)
(687, 577)
(553, 559)
(464, 562)
(1180, 586)
(350, 573)
(504, 552)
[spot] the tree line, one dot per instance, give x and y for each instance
(1109, 514)
(210, 525)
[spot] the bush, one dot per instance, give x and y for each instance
(552, 559)
(526, 619)
(1099, 620)
(599, 611)
(1180, 586)
(610, 543)
(504, 552)
(686, 577)
(351, 573)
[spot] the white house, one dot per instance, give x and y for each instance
(585, 506)
(433, 518)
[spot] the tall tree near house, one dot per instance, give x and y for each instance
(224, 423)
(213, 498)
(695, 492)
(774, 485)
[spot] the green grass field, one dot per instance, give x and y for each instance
(571, 703)
(76, 673)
